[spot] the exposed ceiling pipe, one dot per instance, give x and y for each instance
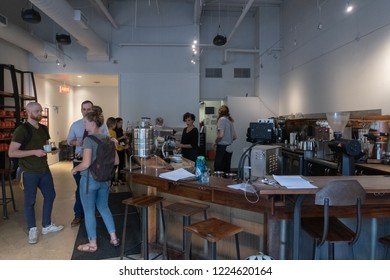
(161, 45)
(62, 13)
(21, 38)
(105, 11)
(197, 11)
(225, 57)
(242, 16)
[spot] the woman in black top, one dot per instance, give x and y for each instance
(189, 139)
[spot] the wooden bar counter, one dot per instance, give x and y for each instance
(260, 214)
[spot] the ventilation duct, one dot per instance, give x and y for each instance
(41, 50)
(62, 13)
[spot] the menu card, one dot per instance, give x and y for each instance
(178, 174)
(294, 182)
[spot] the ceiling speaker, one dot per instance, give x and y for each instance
(31, 16)
(63, 39)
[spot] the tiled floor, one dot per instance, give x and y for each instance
(54, 246)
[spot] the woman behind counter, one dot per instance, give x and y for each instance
(189, 139)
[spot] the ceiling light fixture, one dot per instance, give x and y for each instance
(319, 25)
(63, 39)
(349, 7)
(195, 52)
(220, 38)
(31, 15)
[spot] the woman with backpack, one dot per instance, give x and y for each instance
(94, 193)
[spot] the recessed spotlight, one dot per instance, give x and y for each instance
(349, 7)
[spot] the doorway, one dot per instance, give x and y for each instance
(208, 114)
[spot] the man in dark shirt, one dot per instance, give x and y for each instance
(34, 171)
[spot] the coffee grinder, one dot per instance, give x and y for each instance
(346, 149)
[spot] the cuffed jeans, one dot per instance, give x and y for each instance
(97, 195)
(78, 207)
(32, 181)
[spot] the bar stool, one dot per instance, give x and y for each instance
(385, 240)
(4, 199)
(212, 230)
(142, 202)
(187, 210)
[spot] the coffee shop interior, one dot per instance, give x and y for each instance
(306, 82)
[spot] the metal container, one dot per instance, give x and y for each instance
(143, 141)
(232, 176)
(218, 173)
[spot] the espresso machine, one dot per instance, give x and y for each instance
(346, 149)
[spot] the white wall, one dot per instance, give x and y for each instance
(342, 67)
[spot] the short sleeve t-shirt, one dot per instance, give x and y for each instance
(227, 126)
(38, 139)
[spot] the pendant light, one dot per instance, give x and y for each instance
(220, 38)
(31, 15)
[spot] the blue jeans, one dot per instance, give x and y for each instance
(78, 207)
(32, 181)
(97, 196)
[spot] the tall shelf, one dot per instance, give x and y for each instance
(17, 87)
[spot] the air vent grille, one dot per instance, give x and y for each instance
(213, 73)
(3, 21)
(242, 72)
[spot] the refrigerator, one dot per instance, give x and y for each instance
(243, 110)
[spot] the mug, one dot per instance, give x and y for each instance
(47, 148)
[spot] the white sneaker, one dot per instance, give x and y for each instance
(33, 235)
(52, 228)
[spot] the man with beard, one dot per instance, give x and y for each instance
(34, 170)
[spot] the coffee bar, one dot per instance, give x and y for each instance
(329, 147)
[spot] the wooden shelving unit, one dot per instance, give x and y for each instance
(16, 89)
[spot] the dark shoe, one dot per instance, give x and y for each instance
(76, 221)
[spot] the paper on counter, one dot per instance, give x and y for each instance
(293, 182)
(243, 186)
(178, 174)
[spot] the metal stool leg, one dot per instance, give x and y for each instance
(213, 250)
(12, 191)
(237, 247)
(165, 249)
(4, 194)
(124, 233)
(187, 246)
(145, 235)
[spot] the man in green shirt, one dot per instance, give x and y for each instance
(35, 172)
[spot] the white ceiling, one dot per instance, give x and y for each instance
(12, 12)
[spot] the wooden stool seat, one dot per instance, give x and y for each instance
(214, 230)
(143, 202)
(185, 209)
